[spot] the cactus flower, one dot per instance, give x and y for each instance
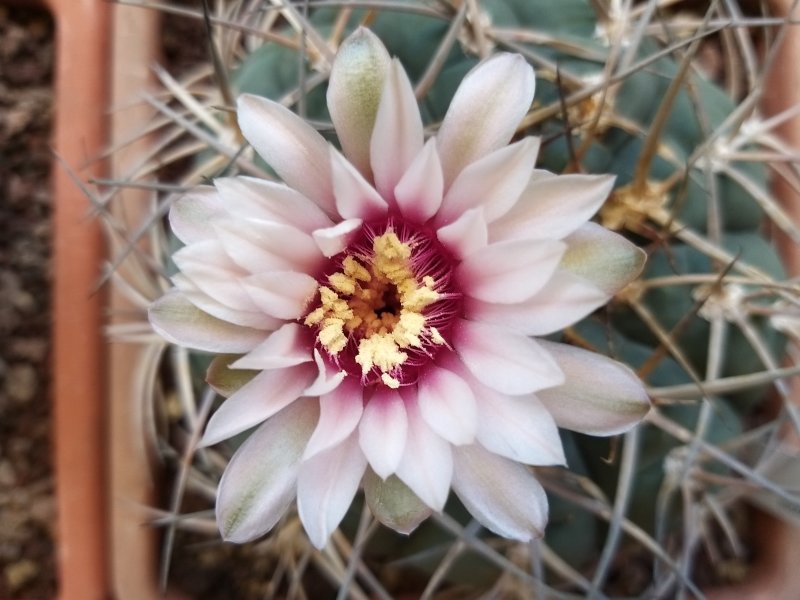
(381, 306)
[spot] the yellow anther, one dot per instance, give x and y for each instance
(381, 303)
(408, 328)
(332, 335)
(390, 381)
(381, 351)
(419, 298)
(355, 270)
(315, 316)
(342, 283)
(327, 295)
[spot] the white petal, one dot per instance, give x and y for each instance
(504, 360)
(255, 319)
(268, 200)
(602, 257)
(427, 463)
(552, 206)
(282, 294)
(510, 271)
(447, 404)
(494, 182)
(260, 482)
(191, 214)
(518, 427)
(340, 413)
(266, 394)
(333, 240)
(211, 270)
(354, 92)
(466, 235)
(355, 197)
(419, 192)
(600, 396)
(383, 431)
(393, 503)
(257, 245)
(565, 300)
(485, 111)
(503, 495)
(289, 145)
(326, 486)
(179, 321)
(288, 346)
(397, 138)
(327, 379)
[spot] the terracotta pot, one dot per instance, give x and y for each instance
(78, 384)
(103, 53)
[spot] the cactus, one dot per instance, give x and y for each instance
(620, 89)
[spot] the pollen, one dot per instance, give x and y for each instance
(390, 381)
(375, 306)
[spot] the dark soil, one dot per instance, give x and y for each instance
(27, 510)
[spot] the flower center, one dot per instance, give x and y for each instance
(386, 304)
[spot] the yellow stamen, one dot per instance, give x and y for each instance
(380, 303)
(390, 381)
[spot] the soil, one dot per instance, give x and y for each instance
(27, 509)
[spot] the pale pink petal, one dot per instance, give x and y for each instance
(552, 207)
(447, 404)
(494, 182)
(333, 240)
(246, 318)
(427, 463)
(354, 92)
(602, 257)
(327, 379)
(257, 245)
(517, 427)
(266, 394)
(260, 482)
(393, 503)
(326, 486)
(268, 200)
(565, 300)
(600, 396)
(383, 431)
(282, 294)
(212, 271)
(466, 235)
(340, 413)
(179, 321)
(209, 253)
(192, 213)
(297, 152)
(505, 360)
(288, 346)
(500, 493)
(509, 272)
(355, 197)
(485, 111)
(419, 192)
(397, 138)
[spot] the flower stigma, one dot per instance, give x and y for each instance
(385, 305)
